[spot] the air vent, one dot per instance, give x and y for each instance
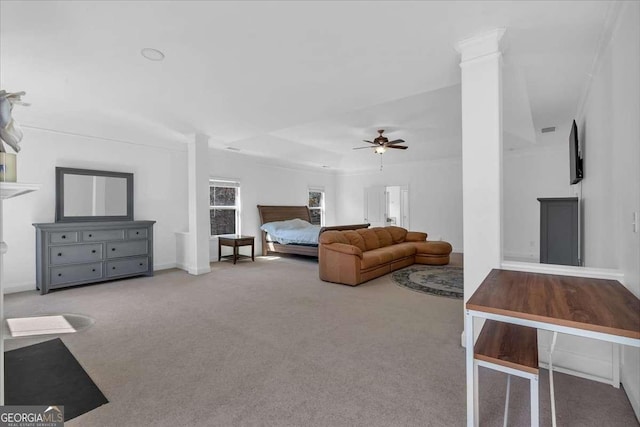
(549, 129)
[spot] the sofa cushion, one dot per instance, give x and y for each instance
(415, 236)
(354, 238)
(384, 237)
(370, 237)
(433, 248)
(404, 250)
(375, 258)
(398, 234)
(385, 255)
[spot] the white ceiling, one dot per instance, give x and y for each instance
(301, 81)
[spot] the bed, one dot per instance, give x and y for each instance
(270, 214)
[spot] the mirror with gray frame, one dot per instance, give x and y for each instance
(93, 195)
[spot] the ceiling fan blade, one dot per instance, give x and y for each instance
(360, 148)
(370, 142)
(401, 147)
(397, 141)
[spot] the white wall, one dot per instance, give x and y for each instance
(262, 182)
(160, 189)
(611, 185)
(541, 170)
(435, 196)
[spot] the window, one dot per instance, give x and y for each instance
(224, 207)
(316, 205)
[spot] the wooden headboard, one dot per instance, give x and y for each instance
(281, 213)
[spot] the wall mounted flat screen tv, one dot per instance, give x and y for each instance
(575, 159)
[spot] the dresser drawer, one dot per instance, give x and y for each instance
(75, 273)
(100, 235)
(137, 233)
(75, 253)
(127, 266)
(63, 237)
(122, 249)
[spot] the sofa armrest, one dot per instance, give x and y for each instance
(415, 236)
(344, 248)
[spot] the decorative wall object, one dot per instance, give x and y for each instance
(10, 133)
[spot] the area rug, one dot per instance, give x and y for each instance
(442, 281)
(48, 374)
(39, 325)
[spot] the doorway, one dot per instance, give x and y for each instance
(387, 205)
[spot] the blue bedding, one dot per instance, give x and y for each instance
(292, 231)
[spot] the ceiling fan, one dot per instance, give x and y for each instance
(381, 143)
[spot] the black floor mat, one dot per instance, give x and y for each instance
(48, 374)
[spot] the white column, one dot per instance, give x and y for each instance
(199, 228)
(3, 250)
(481, 64)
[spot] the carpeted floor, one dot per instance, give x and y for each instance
(268, 343)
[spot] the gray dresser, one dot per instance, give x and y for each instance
(76, 253)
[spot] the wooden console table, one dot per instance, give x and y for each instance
(587, 307)
(235, 242)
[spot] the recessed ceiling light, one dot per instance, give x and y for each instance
(152, 54)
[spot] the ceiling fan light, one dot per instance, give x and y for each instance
(380, 150)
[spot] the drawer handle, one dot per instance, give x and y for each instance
(90, 235)
(64, 236)
(59, 274)
(59, 253)
(137, 232)
(113, 249)
(93, 251)
(141, 264)
(113, 268)
(93, 269)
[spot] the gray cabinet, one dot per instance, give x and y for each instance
(559, 231)
(69, 254)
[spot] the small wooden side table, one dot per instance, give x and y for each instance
(235, 241)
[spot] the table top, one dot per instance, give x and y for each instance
(577, 302)
(234, 237)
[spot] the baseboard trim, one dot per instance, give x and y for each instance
(576, 373)
(632, 389)
(634, 398)
(166, 266)
(182, 266)
(22, 287)
(564, 270)
(528, 256)
(198, 271)
(578, 365)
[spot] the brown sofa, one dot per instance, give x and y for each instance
(356, 256)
